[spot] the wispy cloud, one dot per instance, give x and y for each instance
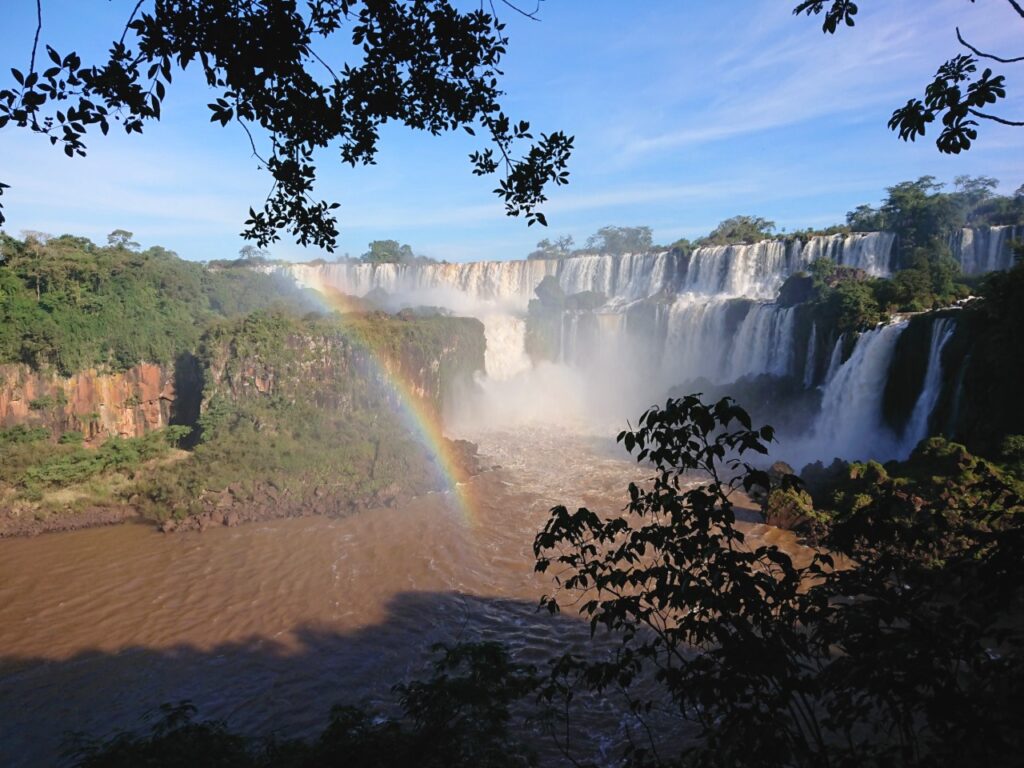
(785, 84)
(684, 113)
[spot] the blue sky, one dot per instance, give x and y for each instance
(684, 113)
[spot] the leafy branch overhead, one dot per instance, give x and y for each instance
(423, 63)
(958, 97)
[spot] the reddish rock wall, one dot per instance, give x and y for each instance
(127, 404)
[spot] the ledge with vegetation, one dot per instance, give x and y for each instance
(136, 383)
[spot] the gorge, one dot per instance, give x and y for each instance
(525, 462)
(709, 317)
(363, 543)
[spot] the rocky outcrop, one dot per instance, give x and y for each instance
(247, 502)
(789, 508)
(99, 405)
(343, 365)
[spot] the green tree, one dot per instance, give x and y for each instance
(740, 229)
(122, 238)
(69, 304)
(388, 252)
(252, 253)
(560, 248)
(425, 64)
(864, 218)
(617, 241)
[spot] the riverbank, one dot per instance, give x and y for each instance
(268, 624)
(237, 504)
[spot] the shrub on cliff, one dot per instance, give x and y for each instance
(308, 406)
(32, 464)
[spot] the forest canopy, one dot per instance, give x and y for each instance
(68, 303)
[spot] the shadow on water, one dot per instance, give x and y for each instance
(262, 686)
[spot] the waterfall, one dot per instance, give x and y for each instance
(507, 283)
(868, 251)
(694, 339)
(850, 423)
(628, 277)
(756, 270)
(669, 318)
(753, 271)
(505, 356)
(763, 344)
(917, 426)
(809, 364)
(836, 359)
(984, 249)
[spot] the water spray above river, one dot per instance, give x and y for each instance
(652, 323)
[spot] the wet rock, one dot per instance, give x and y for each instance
(231, 519)
(797, 289)
(789, 508)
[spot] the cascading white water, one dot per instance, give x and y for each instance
(629, 277)
(868, 251)
(763, 344)
(754, 270)
(836, 359)
(850, 423)
(758, 270)
(505, 356)
(812, 349)
(917, 426)
(695, 330)
(700, 343)
(672, 317)
(985, 249)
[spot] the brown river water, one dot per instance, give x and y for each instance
(269, 624)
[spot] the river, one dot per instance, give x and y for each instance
(269, 624)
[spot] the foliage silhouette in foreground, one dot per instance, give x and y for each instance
(459, 716)
(424, 64)
(957, 96)
(906, 653)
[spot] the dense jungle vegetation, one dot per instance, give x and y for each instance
(298, 417)
(301, 410)
(68, 303)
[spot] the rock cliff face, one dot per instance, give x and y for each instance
(99, 405)
(343, 367)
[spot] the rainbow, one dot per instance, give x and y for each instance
(417, 414)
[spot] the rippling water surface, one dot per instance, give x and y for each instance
(269, 624)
